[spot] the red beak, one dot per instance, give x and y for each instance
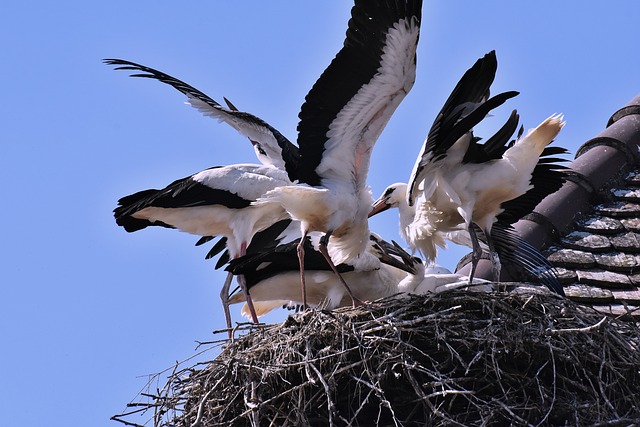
(378, 206)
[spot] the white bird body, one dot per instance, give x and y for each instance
(434, 282)
(271, 148)
(327, 210)
(342, 117)
(434, 222)
(341, 203)
(423, 225)
(272, 272)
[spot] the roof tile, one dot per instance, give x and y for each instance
(635, 279)
(618, 309)
(567, 276)
(628, 194)
(588, 294)
(615, 261)
(571, 258)
(582, 240)
(601, 224)
(604, 278)
(599, 260)
(627, 242)
(631, 224)
(619, 209)
(630, 296)
(633, 178)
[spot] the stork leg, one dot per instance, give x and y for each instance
(224, 296)
(303, 287)
(243, 286)
(476, 252)
(323, 250)
(495, 259)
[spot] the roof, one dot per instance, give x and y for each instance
(590, 228)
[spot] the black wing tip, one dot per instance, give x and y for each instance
(131, 224)
(529, 262)
(224, 259)
(122, 64)
(204, 239)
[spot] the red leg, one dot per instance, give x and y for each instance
(224, 296)
(301, 261)
(243, 286)
(323, 250)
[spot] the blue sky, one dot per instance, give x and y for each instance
(88, 310)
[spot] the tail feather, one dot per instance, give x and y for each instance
(523, 260)
(537, 139)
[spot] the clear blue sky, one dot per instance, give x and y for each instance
(87, 310)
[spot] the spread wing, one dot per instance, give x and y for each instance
(467, 105)
(354, 98)
(271, 146)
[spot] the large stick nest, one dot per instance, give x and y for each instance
(457, 358)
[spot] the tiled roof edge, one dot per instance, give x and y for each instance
(623, 112)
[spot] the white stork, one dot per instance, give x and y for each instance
(458, 184)
(216, 201)
(271, 148)
(340, 121)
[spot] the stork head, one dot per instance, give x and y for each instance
(392, 197)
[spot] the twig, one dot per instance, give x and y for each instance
(577, 330)
(198, 419)
(513, 414)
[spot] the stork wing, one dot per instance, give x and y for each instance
(354, 98)
(234, 187)
(496, 145)
(271, 146)
(467, 105)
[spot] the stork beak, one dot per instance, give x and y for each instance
(378, 206)
(394, 255)
(395, 262)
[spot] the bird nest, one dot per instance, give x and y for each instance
(456, 358)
